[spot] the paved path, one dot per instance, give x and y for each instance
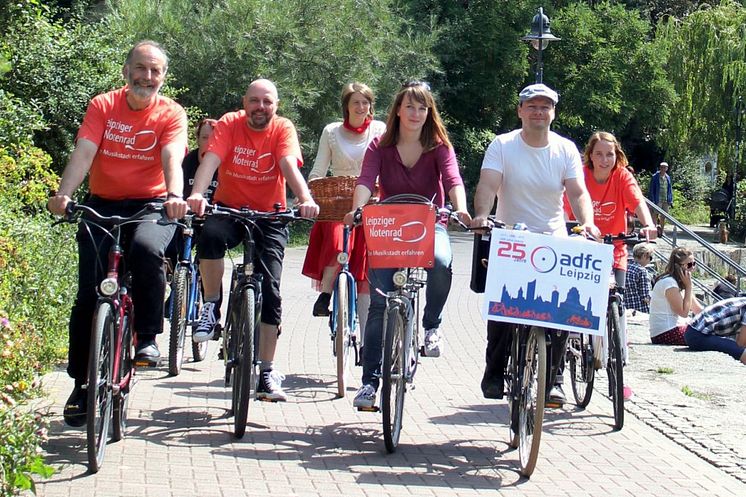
(454, 441)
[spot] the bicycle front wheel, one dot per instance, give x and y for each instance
(615, 368)
(342, 340)
(100, 368)
(582, 372)
(393, 377)
(179, 296)
(532, 395)
(243, 359)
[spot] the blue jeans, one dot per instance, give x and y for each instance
(701, 342)
(436, 293)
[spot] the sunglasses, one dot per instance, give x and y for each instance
(412, 84)
(691, 265)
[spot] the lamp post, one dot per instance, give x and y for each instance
(739, 112)
(539, 38)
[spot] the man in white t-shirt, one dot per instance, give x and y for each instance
(529, 169)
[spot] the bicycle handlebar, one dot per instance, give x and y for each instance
(74, 208)
(244, 214)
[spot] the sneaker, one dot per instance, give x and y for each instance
(147, 350)
(206, 324)
(433, 342)
(557, 395)
(76, 407)
(321, 306)
(269, 386)
(365, 398)
(627, 392)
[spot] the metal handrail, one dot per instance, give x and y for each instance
(740, 270)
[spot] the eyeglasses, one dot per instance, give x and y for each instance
(412, 84)
(691, 265)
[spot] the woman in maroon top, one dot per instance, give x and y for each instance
(414, 155)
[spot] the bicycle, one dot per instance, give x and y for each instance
(342, 323)
(526, 388)
(240, 337)
(185, 302)
(111, 364)
(401, 327)
(581, 353)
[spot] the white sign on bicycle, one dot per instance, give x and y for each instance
(542, 280)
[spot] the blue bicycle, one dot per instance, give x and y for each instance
(185, 302)
(342, 319)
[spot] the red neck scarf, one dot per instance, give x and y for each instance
(362, 129)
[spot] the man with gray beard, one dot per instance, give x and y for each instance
(132, 141)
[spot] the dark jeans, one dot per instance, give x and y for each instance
(436, 293)
(270, 238)
(144, 246)
(701, 342)
(499, 340)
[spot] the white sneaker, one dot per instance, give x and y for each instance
(433, 342)
(206, 324)
(269, 386)
(365, 397)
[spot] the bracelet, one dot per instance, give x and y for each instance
(173, 195)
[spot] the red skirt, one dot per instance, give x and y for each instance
(325, 242)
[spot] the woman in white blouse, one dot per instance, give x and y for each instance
(341, 150)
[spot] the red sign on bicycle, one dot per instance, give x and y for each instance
(400, 235)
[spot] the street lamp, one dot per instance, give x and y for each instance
(539, 38)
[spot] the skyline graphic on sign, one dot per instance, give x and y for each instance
(527, 305)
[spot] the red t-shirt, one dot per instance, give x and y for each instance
(610, 202)
(249, 174)
(127, 164)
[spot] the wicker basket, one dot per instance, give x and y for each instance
(334, 196)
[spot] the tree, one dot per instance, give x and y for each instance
(609, 75)
(707, 65)
(54, 68)
(310, 49)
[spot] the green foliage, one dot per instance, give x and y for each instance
(691, 191)
(21, 433)
(26, 178)
(610, 77)
(483, 62)
(310, 49)
(18, 120)
(707, 64)
(56, 66)
(470, 145)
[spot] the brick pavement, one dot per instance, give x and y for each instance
(454, 442)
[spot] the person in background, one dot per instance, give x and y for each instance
(192, 160)
(720, 327)
(637, 280)
(724, 291)
(661, 194)
(669, 307)
(614, 191)
(341, 150)
(414, 155)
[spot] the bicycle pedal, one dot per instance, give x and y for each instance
(368, 409)
(264, 399)
(553, 404)
(145, 363)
